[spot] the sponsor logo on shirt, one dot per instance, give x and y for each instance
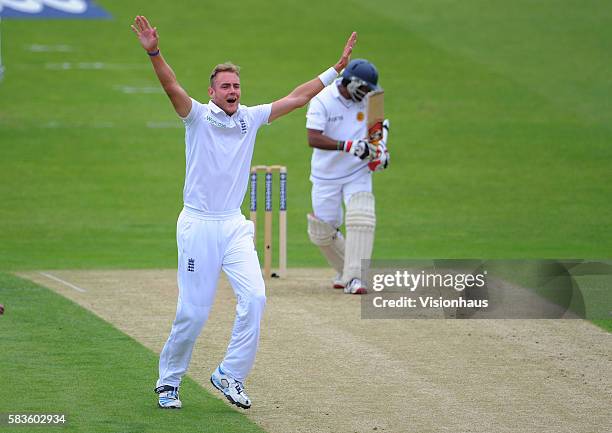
(215, 122)
(335, 118)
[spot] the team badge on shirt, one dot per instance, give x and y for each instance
(243, 126)
(360, 116)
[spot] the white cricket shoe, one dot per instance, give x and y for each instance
(337, 282)
(231, 388)
(168, 397)
(355, 287)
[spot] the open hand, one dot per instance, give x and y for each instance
(147, 35)
(346, 54)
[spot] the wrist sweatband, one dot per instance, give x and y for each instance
(328, 76)
(154, 53)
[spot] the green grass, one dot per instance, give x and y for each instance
(604, 324)
(58, 358)
(583, 289)
(500, 126)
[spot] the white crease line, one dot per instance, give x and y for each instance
(40, 48)
(55, 124)
(65, 66)
(132, 89)
(164, 125)
(78, 289)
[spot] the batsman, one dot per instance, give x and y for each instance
(348, 133)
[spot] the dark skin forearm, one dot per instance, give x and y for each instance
(317, 140)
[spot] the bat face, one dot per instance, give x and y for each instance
(375, 115)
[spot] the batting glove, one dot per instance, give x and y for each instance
(362, 149)
(382, 159)
(385, 132)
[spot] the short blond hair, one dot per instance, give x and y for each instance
(224, 67)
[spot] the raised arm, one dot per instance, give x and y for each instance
(149, 40)
(302, 94)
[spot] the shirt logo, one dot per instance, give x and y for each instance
(190, 265)
(243, 126)
(335, 118)
(215, 122)
(360, 116)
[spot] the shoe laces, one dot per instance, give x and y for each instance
(168, 391)
(171, 393)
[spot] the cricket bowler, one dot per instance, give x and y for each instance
(212, 234)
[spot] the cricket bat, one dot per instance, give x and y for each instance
(375, 115)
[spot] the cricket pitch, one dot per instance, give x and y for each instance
(321, 368)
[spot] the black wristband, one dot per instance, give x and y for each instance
(154, 53)
(340, 145)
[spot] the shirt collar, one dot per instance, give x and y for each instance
(335, 90)
(336, 94)
(216, 109)
(213, 107)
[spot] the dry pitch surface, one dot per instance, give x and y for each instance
(321, 368)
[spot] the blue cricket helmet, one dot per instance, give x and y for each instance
(357, 74)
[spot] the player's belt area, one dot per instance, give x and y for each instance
(212, 215)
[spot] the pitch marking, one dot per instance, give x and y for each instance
(72, 286)
(40, 48)
(164, 125)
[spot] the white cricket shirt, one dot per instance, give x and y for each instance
(340, 119)
(218, 154)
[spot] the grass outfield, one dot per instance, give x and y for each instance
(500, 126)
(59, 358)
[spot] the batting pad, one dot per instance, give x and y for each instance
(329, 240)
(360, 225)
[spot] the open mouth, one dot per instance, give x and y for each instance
(231, 100)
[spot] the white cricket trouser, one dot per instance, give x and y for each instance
(327, 198)
(208, 243)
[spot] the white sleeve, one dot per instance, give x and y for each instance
(196, 109)
(261, 114)
(316, 117)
